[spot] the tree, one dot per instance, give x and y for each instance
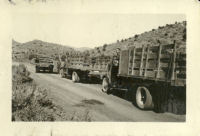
(184, 34)
(31, 56)
(104, 47)
(136, 36)
(99, 51)
(86, 53)
(63, 57)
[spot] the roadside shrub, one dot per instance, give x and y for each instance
(32, 103)
(29, 103)
(20, 74)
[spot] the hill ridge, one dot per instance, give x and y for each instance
(165, 34)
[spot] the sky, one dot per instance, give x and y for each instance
(85, 30)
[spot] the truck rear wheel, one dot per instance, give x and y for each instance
(105, 85)
(75, 77)
(143, 98)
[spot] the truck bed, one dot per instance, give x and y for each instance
(94, 65)
(159, 63)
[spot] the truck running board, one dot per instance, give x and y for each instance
(122, 89)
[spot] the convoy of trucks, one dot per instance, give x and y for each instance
(147, 74)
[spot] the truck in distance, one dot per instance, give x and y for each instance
(44, 63)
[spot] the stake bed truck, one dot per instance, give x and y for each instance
(149, 74)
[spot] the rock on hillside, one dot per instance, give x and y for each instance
(165, 34)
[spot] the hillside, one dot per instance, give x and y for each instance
(38, 47)
(82, 49)
(165, 34)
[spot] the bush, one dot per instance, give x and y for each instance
(184, 34)
(30, 103)
(104, 47)
(136, 36)
(20, 74)
(31, 56)
(63, 57)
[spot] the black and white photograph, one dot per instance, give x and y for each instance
(99, 67)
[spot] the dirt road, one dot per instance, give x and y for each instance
(81, 97)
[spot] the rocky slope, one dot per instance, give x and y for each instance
(165, 34)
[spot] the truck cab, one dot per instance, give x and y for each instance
(44, 63)
(110, 77)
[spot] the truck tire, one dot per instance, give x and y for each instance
(105, 85)
(75, 77)
(143, 98)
